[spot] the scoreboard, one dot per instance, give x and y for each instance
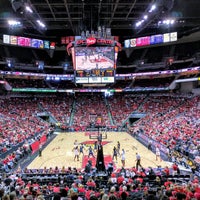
(95, 76)
(94, 64)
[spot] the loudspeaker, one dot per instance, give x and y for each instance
(17, 5)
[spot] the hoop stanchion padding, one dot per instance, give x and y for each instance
(104, 136)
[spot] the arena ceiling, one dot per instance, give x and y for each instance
(71, 17)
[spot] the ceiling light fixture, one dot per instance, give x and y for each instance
(14, 23)
(145, 17)
(41, 23)
(28, 9)
(153, 7)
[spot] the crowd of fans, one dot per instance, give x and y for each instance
(64, 84)
(27, 83)
(156, 82)
(122, 106)
(59, 107)
(19, 128)
(68, 183)
(172, 121)
(87, 111)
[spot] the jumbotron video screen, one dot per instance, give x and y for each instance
(95, 64)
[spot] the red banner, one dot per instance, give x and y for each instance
(35, 146)
(43, 139)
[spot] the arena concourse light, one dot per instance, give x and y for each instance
(10, 63)
(166, 22)
(39, 64)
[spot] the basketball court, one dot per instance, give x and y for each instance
(60, 151)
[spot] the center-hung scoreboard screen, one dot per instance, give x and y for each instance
(95, 64)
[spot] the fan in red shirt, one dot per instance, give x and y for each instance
(166, 171)
(167, 183)
(196, 180)
(81, 188)
(120, 179)
(175, 168)
(91, 183)
(56, 188)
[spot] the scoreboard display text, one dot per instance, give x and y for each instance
(95, 73)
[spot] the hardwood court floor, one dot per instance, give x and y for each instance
(60, 151)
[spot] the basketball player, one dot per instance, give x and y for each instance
(123, 158)
(90, 153)
(76, 153)
(81, 148)
(75, 143)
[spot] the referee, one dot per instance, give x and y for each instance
(138, 161)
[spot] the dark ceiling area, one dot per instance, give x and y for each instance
(71, 17)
